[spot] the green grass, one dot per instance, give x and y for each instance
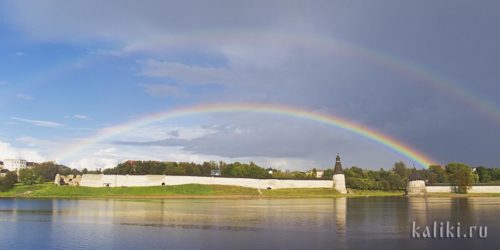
(301, 193)
(50, 190)
(364, 193)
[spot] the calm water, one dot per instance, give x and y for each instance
(354, 223)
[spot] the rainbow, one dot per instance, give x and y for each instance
(477, 103)
(481, 105)
(358, 129)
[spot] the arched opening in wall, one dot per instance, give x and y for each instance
(163, 183)
(269, 188)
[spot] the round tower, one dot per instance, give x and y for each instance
(338, 177)
(415, 186)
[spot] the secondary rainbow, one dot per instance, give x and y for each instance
(425, 76)
(480, 104)
(358, 129)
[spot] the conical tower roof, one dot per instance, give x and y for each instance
(338, 166)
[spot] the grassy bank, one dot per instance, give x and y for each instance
(49, 190)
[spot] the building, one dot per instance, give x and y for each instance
(3, 171)
(14, 164)
(215, 172)
(317, 173)
(271, 171)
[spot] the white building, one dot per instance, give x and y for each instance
(320, 173)
(13, 164)
(316, 173)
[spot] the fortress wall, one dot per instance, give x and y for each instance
(275, 184)
(92, 180)
(139, 180)
(473, 189)
(484, 189)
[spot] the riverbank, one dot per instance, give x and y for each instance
(49, 190)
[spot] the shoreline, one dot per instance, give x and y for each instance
(196, 191)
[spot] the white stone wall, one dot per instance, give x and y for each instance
(438, 189)
(484, 189)
(473, 189)
(92, 180)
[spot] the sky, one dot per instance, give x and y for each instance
(422, 72)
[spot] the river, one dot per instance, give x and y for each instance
(341, 223)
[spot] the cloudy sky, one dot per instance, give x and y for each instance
(424, 72)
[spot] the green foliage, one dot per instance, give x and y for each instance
(27, 176)
(393, 180)
(328, 174)
(400, 169)
(460, 175)
(189, 168)
(7, 182)
(43, 172)
(488, 175)
(354, 172)
(436, 174)
(365, 184)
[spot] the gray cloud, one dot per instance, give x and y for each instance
(285, 52)
(257, 136)
(174, 133)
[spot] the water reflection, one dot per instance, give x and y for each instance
(340, 211)
(248, 224)
(417, 210)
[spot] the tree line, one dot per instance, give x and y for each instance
(235, 169)
(456, 174)
(393, 179)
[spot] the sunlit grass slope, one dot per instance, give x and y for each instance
(49, 190)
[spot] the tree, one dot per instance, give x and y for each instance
(47, 170)
(460, 175)
(237, 170)
(328, 174)
(439, 173)
(354, 172)
(484, 174)
(27, 176)
(395, 182)
(7, 182)
(314, 173)
(401, 169)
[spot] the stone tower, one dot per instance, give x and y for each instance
(415, 186)
(338, 177)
